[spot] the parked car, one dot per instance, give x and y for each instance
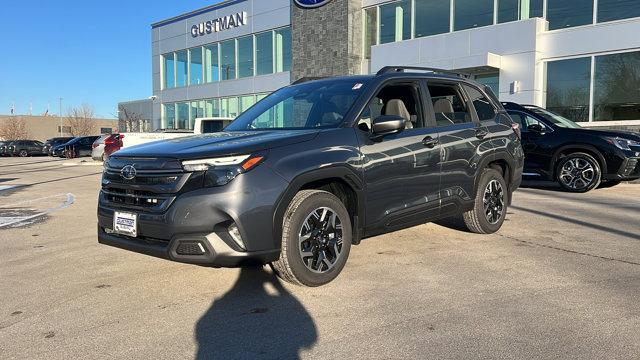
(53, 142)
(59, 150)
(579, 159)
(3, 147)
(314, 168)
(113, 144)
(97, 148)
(79, 147)
(24, 148)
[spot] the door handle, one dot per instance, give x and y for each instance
(481, 133)
(430, 142)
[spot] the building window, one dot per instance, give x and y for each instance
(617, 87)
(228, 59)
(181, 68)
(609, 10)
(283, 49)
(196, 111)
(169, 116)
(472, 13)
(168, 67)
(245, 56)
(370, 30)
(512, 10)
(264, 53)
(229, 107)
(211, 63)
(491, 80)
(182, 115)
(567, 13)
(212, 108)
(64, 129)
(395, 21)
(106, 130)
(195, 66)
(568, 84)
(246, 102)
(433, 17)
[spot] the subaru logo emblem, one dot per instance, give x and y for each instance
(128, 172)
(310, 4)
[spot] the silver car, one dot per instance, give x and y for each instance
(97, 149)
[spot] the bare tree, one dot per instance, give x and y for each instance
(81, 120)
(130, 121)
(14, 129)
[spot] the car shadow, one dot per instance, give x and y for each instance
(257, 318)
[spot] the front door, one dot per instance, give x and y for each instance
(538, 154)
(401, 171)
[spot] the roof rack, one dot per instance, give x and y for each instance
(308, 78)
(388, 69)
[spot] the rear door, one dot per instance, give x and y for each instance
(461, 136)
(401, 171)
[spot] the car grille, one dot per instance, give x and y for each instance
(631, 167)
(154, 187)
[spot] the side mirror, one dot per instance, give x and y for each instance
(387, 124)
(536, 128)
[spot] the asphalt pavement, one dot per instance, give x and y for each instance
(561, 280)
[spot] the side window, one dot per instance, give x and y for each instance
(449, 105)
(525, 120)
(483, 106)
(400, 99)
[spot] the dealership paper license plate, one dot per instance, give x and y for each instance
(125, 224)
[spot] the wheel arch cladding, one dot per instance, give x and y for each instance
(584, 148)
(339, 181)
(499, 162)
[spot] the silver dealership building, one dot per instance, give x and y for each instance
(578, 57)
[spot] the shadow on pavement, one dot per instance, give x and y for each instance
(257, 318)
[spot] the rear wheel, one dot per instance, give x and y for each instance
(316, 239)
(24, 153)
(578, 172)
(490, 208)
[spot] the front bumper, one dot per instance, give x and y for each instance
(628, 170)
(205, 250)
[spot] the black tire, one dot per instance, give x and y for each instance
(291, 267)
(476, 219)
(24, 153)
(584, 183)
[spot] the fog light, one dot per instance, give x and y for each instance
(235, 235)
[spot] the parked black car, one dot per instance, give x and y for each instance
(77, 147)
(53, 142)
(25, 148)
(578, 158)
(314, 168)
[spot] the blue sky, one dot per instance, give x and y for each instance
(95, 52)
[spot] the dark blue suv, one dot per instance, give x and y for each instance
(314, 168)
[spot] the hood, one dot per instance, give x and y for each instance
(218, 144)
(630, 135)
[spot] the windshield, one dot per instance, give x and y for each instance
(312, 105)
(555, 118)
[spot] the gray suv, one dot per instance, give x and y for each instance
(314, 168)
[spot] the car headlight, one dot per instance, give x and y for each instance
(624, 144)
(220, 171)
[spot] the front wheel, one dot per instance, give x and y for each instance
(316, 239)
(24, 153)
(578, 172)
(490, 207)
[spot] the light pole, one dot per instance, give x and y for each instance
(60, 115)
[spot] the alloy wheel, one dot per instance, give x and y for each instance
(493, 201)
(577, 173)
(321, 240)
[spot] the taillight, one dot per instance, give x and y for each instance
(516, 129)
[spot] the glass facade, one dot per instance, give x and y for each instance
(472, 13)
(182, 115)
(264, 53)
(395, 21)
(512, 10)
(568, 83)
(616, 88)
(568, 13)
(609, 10)
(370, 30)
(259, 54)
(433, 17)
(491, 80)
(245, 56)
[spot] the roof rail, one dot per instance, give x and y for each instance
(308, 78)
(388, 69)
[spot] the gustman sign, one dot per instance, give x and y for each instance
(310, 4)
(220, 24)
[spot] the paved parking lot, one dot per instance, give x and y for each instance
(560, 280)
